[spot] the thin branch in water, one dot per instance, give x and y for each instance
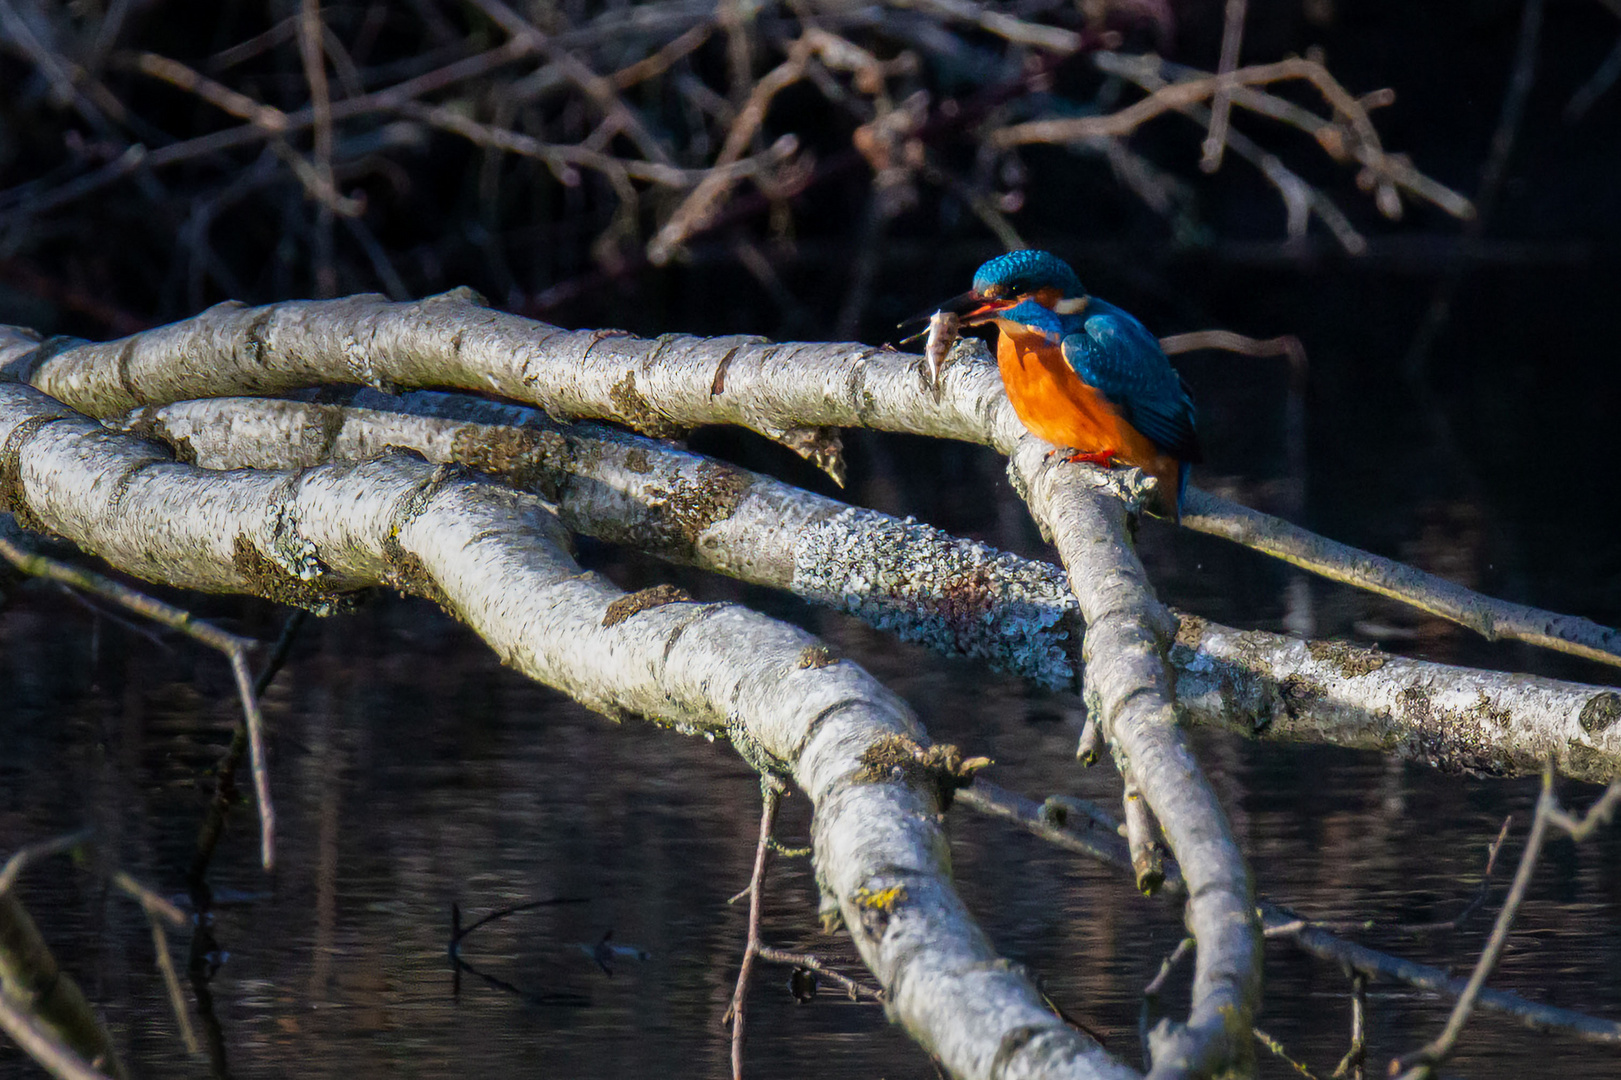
(1421, 1063)
(34, 1040)
(736, 1013)
(235, 649)
(1282, 1054)
(1350, 1066)
(1596, 87)
(157, 911)
(1480, 894)
(1098, 839)
(33, 852)
(858, 991)
(1149, 1012)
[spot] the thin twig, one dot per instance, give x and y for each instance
(695, 211)
(1149, 1012)
(158, 910)
(32, 852)
(1422, 1062)
(313, 55)
(770, 801)
(1278, 1050)
(1350, 1066)
(1147, 857)
(1221, 102)
(235, 649)
(35, 1041)
(215, 142)
(1492, 619)
(858, 991)
(222, 97)
(1098, 839)
(1596, 87)
(1475, 901)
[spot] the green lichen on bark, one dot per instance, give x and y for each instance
(626, 606)
(529, 459)
(268, 578)
(1351, 660)
(954, 596)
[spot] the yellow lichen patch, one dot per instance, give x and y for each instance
(896, 757)
(816, 656)
(880, 899)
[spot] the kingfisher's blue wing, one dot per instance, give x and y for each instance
(1115, 353)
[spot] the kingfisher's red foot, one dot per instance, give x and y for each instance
(1106, 458)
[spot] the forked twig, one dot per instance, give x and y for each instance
(856, 990)
(770, 801)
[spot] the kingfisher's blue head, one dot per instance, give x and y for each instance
(1032, 287)
(1027, 275)
(1035, 288)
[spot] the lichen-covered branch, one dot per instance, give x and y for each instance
(1129, 688)
(495, 559)
(1492, 619)
(956, 596)
(1457, 719)
(661, 387)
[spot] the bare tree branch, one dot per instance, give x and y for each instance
(495, 558)
(955, 596)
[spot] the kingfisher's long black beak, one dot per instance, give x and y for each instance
(970, 307)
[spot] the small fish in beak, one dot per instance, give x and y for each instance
(942, 335)
(944, 326)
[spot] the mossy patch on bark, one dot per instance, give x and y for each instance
(658, 596)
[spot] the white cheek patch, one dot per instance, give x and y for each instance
(1072, 305)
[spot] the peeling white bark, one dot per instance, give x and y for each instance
(1456, 719)
(795, 393)
(955, 596)
(1129, 689)
(496, 559)
(664, 385)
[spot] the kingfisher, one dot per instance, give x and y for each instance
(1083, 374)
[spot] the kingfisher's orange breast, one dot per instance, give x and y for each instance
(1056, 405)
